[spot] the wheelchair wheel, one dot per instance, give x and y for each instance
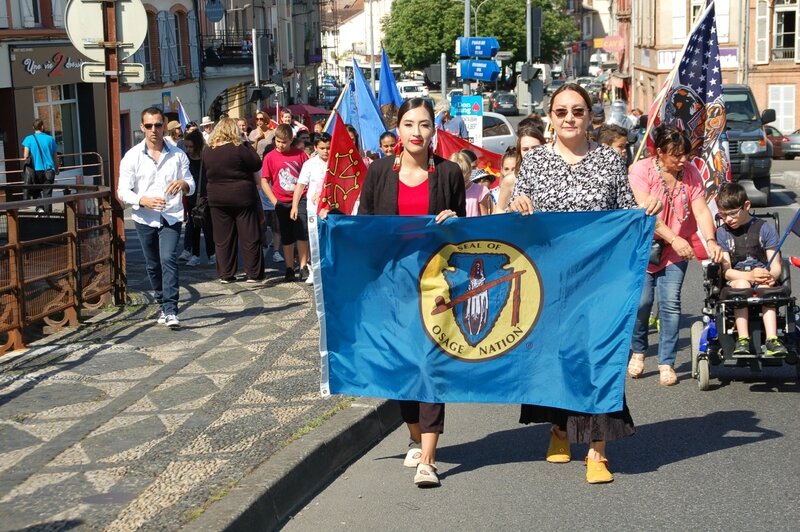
(697, 331)
(702, 374)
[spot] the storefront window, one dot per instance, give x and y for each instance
(57, 106)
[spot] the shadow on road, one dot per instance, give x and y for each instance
(653, 445)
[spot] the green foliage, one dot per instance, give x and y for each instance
(418, 31)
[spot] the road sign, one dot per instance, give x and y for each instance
(214, 10)
(470, 109)
(96, 73)
(478, 70)
(482, 47)
(86, 33)
(503, 56)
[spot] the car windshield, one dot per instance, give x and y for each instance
(505, 97)
(739, 106)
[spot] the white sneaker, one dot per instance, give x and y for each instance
(276, 257)
(194, 260)
(185, 255)
(212, 259)
(310, 279)
(412, 457)
(426, 476)
(171, 321)
(162, 318)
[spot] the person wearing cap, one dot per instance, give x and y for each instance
(478, 200)
(452, 124)
(174, 133)
(207, 126)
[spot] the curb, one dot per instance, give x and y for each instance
(792, 179)
(265, 498)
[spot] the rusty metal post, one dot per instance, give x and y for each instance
(15, 339)
(114, 151)
(72, 314)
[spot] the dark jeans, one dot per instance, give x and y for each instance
(42, 177)
(160, 249)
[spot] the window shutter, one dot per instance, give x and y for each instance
(797, 36)
(163, 45)
(678, 22)
(762, 32)
(3, 16)
(173, 47)
(26, 10)
(782, 99)
(58, 13)
(194, 49)
(723, 12)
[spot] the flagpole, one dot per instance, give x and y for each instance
(333, 110)
(783, 238)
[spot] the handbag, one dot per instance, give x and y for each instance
(199, 212)
(28, 174)
(656, 250)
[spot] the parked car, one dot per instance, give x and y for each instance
(776, 138)
(411, 89)
(498, 133)
(584, 81)
(327, 96)
(791, 145)
(505, 103)
(553, 86)
(750, 151)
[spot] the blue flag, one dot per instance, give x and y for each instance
(508, 309)
(183, 118)
(369, 121)
(389, 98)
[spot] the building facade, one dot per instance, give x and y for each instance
(758, 42)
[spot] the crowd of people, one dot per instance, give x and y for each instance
(269, 179)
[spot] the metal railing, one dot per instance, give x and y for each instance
(230, 47)
(780, 54)
(54, 266)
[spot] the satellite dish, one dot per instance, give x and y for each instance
(86, 33)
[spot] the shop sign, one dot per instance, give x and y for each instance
(45, 65)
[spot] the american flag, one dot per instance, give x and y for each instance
(691, 100)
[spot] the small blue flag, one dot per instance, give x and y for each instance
(183, 118)
(532, 309)
(389, 98)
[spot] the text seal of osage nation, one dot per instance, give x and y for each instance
(479, 298)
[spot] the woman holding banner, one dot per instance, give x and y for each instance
(416, 182)
(574, 174)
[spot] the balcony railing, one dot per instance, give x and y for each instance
(783, 54)
(229, 47)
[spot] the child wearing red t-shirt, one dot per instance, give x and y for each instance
(279, 173)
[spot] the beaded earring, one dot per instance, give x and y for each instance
(398, 149)
(431, 167)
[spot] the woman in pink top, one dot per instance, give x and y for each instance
(666, 176)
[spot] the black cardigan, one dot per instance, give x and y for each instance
(445, 188)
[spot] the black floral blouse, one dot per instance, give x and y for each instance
(598, 182)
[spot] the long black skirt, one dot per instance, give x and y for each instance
(581, 427)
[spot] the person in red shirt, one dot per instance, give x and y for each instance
(279, 173)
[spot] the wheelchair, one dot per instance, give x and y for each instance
(714, 337)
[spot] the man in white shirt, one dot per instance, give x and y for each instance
(312, 175)
(153, 178)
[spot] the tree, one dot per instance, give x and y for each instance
(418, 31)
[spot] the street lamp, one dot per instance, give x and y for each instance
(475, 10)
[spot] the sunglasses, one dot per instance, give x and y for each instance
(157, 125)
(260, 118)
(578, 112)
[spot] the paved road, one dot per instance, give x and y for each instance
(723, 459)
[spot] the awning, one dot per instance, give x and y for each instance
(618, 80)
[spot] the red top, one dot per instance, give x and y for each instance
(281, 171)
(412, 201)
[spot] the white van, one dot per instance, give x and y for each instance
(412, 89)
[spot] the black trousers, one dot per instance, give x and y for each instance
(235, 226)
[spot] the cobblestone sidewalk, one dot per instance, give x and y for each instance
(121, 424)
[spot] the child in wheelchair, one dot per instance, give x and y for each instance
(748, 244)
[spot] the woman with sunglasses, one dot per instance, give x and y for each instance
(574, 174)
(679, 186)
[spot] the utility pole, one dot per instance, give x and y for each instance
(372, 46)
(467, 12)
(528, 47)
